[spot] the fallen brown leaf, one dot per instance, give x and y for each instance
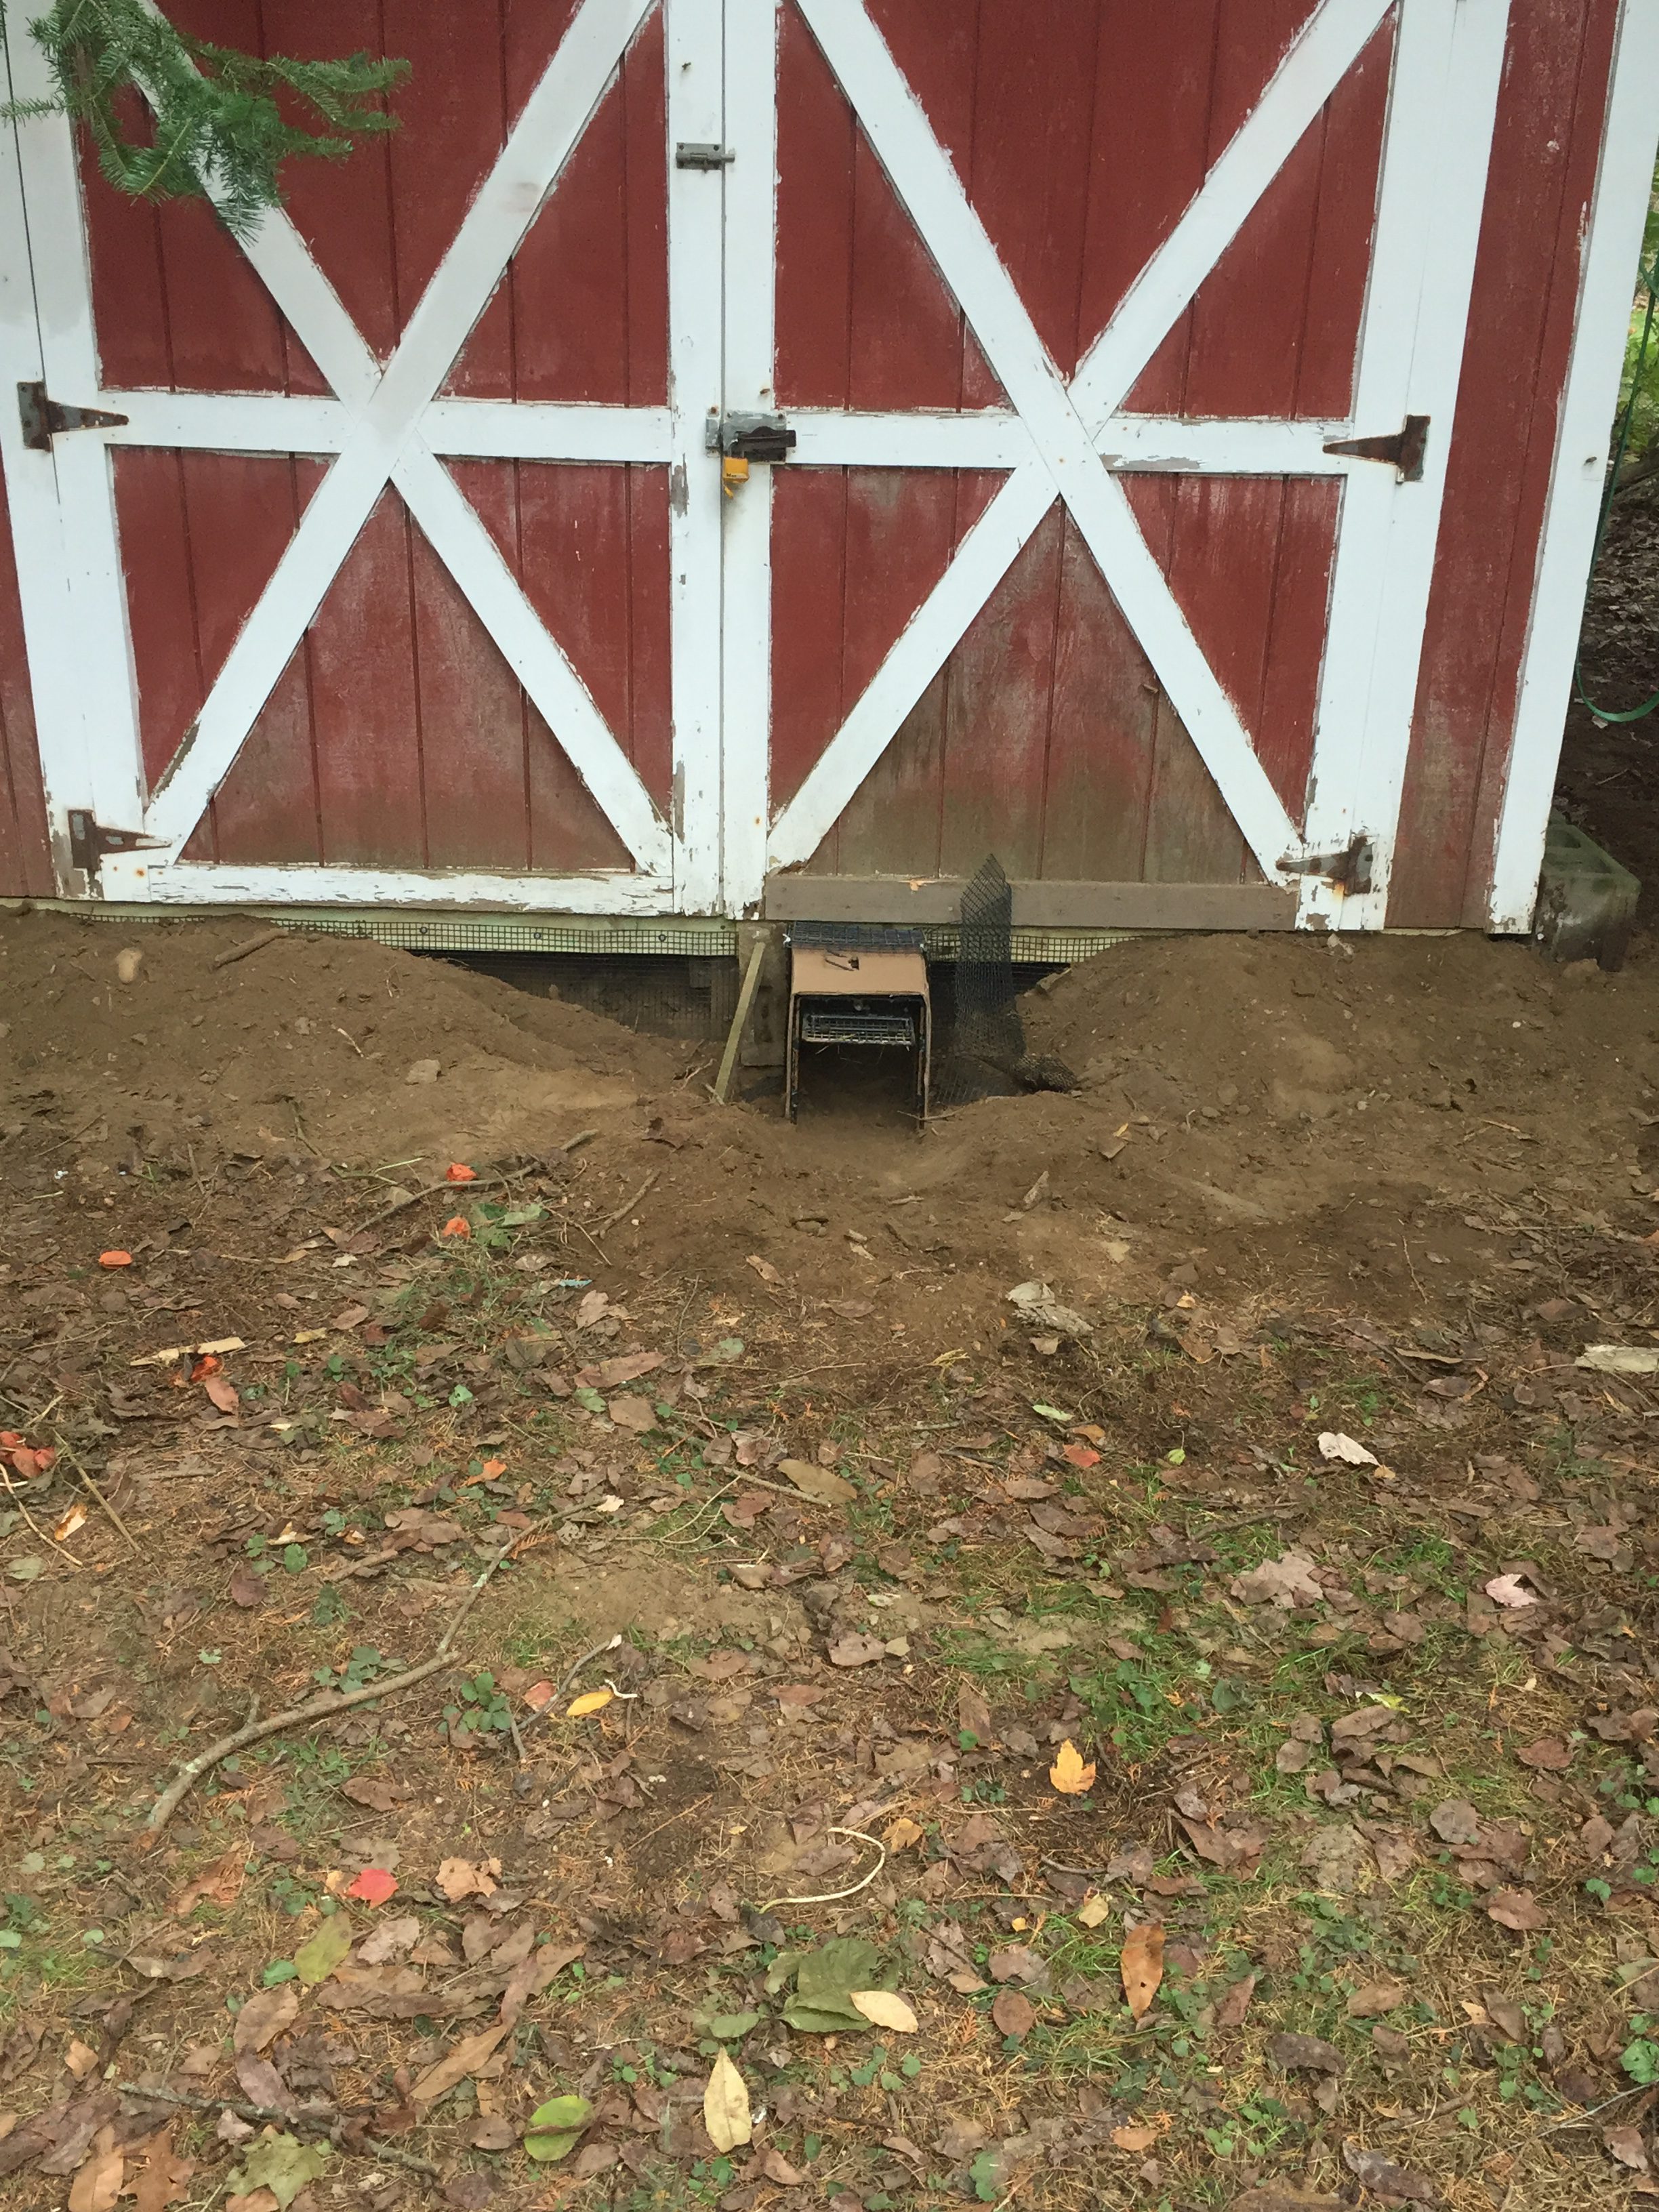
(264, 2016)
(457, 2064)
(1141, 1966)
(1015, 2015)
(1372, 1999)
(163, 2178)
(1518, 1909)
(98, 2184)
(1385, 2179)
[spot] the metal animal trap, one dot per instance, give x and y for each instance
(858, 983)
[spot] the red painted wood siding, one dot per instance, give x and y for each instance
(398, 736)
(25, 852)
(1080, 129)
(1526, 293)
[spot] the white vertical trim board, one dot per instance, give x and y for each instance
(1612, 251)
(1442, 102)
(697, 115)
(752, 107)
(69, 558)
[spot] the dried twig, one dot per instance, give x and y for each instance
(248, 944)
(380, 1558)
(326, 2116)
(414, 1197)
(629, 1204)
(62, 1550)
(132, 1541)
(611, 1643)
(315, 1709)
(829, 1896)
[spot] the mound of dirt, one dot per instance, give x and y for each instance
(1297, 1115)
(339, 1044)
(1289, 1032)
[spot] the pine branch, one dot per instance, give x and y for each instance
(213, 122)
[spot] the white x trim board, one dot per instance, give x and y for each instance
(1058, 440)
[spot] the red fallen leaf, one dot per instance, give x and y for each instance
(209, 1363)
(492, 1468)
(1081, 1456)
(457, 1225)
(115, 1259)
(223, 1393)
(457, 1172)
(374, 1886)
(539, 1694)
(9, 1437)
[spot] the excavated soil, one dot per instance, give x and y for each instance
(838, 1598)
(1291, 1114)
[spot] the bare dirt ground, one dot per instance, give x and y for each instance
(1208, 1717)
(1321, 1551)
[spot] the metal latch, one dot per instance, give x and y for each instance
(44, 418)
(698, 154)
(1405, 448)
(89, 840)
(751, 437)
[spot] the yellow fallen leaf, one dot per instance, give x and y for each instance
(1134, 2138)
(591, 1701)
(884, 2009)
(1093, 1910)
(725, 2105)
(74, 1519)
(1068, 1774)
(902, 1834)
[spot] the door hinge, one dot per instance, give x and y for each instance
(1404, 447)
(699, 153)
(89, 840)
(44, 418)
(1348, 871)
(751, 437)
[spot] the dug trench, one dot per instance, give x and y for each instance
(1206, 1710)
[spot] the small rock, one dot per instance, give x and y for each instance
(422, 1071)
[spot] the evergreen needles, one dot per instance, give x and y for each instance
(217, 121)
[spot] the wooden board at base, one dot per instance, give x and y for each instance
(25, 849)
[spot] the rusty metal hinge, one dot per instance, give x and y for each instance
(1348, 871)
(89, 840)
(44, 418)
(1405, 448)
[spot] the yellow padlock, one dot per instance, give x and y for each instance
(734, 471)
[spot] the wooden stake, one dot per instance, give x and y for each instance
(739, 1023)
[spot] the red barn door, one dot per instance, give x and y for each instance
(1118, 341)
(1081, 307)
